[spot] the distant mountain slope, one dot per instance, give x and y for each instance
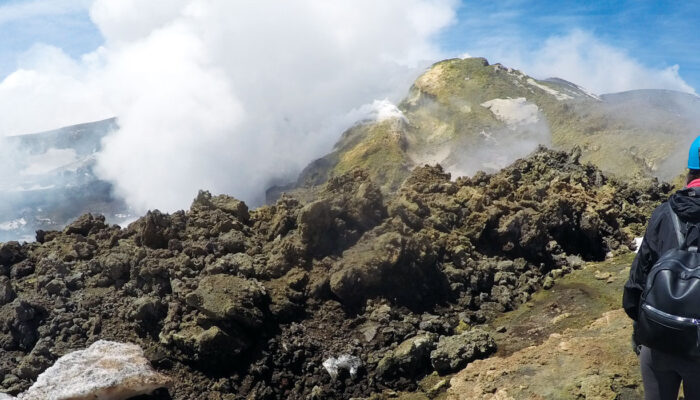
(48, 180)
(635, 132)
(468, 115)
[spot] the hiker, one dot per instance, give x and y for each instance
(665, 332)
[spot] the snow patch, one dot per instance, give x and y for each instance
(513, 111)
(51, 160)
(573, 89)
(557, 94)
(33, 188)
(587, 93)
(344, 362)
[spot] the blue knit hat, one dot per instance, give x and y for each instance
(694, 154)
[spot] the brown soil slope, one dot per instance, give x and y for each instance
(593, 363)
(569, 342)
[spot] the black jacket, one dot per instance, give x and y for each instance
(659, 237)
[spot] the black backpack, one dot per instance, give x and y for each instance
(669, 316)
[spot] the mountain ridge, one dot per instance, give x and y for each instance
(50, 180)
(469, 115)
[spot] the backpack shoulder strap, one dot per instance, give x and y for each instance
(677, 227)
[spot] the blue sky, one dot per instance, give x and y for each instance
(64, 23)
(656, 34)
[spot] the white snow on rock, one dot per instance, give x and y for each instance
(104, 371)
(579, 90)
(344, 362)
(588, 93)
(513, 111)
(557, 94)
(573, 89)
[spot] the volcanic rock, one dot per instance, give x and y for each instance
(7, 294)
(86, 224)
(409, 358)
(244, 303)
(211, 345)
(224, 297)
(454, 352)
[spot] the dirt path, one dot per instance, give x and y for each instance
(569, 342)
(558, 346)
(565, 343)
(574, 302)
(595, 362)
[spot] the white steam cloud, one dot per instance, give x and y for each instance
(582, 58)
(223, 95)
(378, 110)
(601, 68)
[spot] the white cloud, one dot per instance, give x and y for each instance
(223, 95)
(48, 91)
(582, 58)
(586, 60)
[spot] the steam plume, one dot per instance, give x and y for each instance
(222, 95)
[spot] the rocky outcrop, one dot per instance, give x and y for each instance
(409, 358)
(229, 298)
(389, 264)
(250, 303)
(454, 352)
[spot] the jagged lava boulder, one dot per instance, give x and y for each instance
(452, 353)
